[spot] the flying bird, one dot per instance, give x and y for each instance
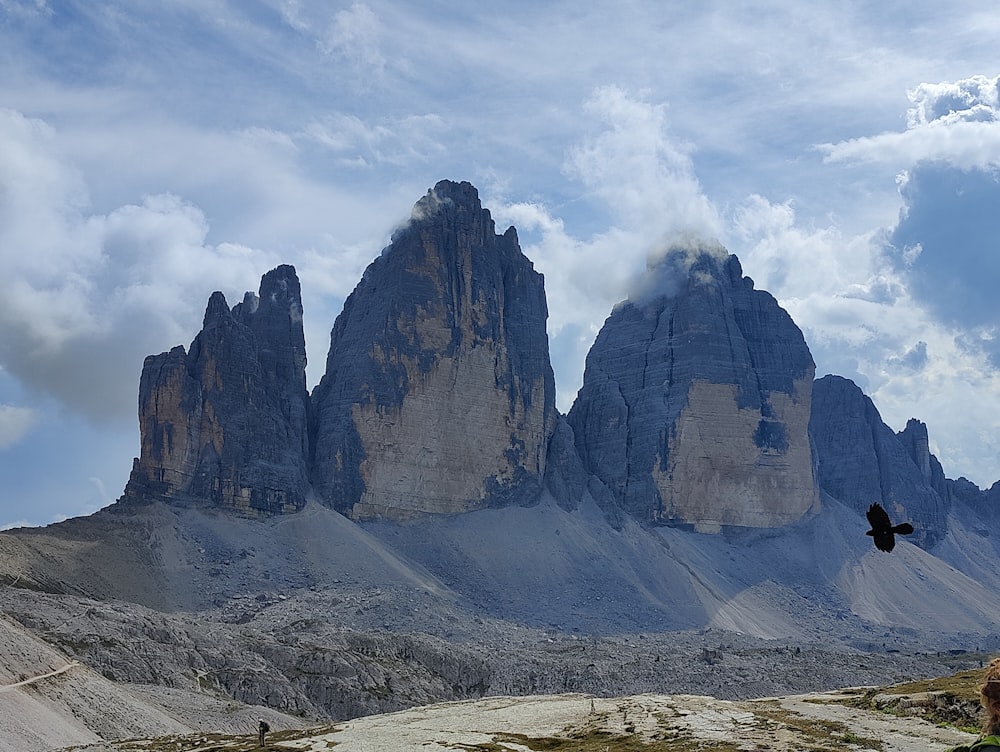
(883, 531)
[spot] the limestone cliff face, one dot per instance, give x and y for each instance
(438, 395)
(861, 460)
(226, 422)
(696, 399)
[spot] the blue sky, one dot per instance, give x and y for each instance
(151, 153)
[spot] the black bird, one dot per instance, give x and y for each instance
(883, 529)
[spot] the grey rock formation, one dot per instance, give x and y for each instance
(696, 399)
(226, 423)
(438, 395)
(861, 460)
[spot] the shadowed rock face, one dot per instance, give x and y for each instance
(861, 460)
(438, 395)
(696, 398)
(226, 422)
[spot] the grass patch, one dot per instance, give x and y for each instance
(944, 700)
(819, 735)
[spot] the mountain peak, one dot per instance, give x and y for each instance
(696, 398)
(697, 262)
(225, 424)
(446, 195)
(446, 328)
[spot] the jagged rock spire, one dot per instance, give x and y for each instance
(226, 422)
(438, 395)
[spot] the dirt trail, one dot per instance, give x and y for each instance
(40, 677)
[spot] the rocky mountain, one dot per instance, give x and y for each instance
(696, 400)
(438, 395)
(697, 408)
(225, 422)
(861, 460)
(426, 526)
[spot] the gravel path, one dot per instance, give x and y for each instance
(40, 677)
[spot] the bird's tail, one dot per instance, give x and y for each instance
(904, 529)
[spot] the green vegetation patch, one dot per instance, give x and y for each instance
(945, 700)
(819, 735)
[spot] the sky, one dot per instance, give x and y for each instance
(151, 153)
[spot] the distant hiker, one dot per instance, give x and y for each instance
(882, 528)
(989, 698)
(262, 729)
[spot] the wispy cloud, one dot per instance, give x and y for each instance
(354, 35)
(25, 8)
(15, 422)
(399, 142)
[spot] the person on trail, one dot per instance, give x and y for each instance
(989, 697)
(262, 729)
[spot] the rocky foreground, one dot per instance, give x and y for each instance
(826, 721)
(76, 672)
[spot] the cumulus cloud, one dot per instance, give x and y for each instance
(947, 246)
(90, 294)
(584, 278)
(644, 180)
(955, 122)
(15, 422)
(644, 176)
(971, 100)
(862, 319)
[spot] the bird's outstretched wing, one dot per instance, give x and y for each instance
(883, 532)
(878, 518)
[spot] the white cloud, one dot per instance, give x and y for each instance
(25, 8)
(861, 321)
(969, 100)
(354, 35)
(291, 12)
(15, 422)
(15, 524)
(955, 122)
(646, 177)
(398, 142)
(89, 295)
(583, 280)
